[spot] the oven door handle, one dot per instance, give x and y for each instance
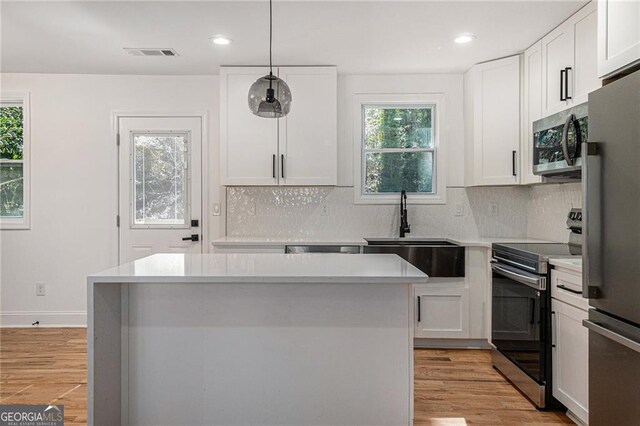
(539, 283)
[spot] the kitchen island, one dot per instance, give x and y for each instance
(230, 339)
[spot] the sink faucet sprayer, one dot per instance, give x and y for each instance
(405, 228)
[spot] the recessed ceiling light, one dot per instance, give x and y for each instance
(221, 41)
(464, 38)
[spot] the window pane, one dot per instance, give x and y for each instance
(160, 179)
(11, 190)
(393, 172)
(11, 132)
(386, 127)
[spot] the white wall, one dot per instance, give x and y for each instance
(449, 85)
(73, 184)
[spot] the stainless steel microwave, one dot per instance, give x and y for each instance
(557, 140)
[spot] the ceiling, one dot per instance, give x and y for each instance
(357, 36)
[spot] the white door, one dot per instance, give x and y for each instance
(557, 66)
(570, 361)
(497, 122)
(585, 30)
(160, 186)
(307, 135)
(442, 309)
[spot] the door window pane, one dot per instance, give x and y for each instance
(11, 190)
(160, 179)
(394, 171)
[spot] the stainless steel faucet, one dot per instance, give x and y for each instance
(405, 228)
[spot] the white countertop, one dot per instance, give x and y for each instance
(570, 263)
(264, 268)
(281, 241)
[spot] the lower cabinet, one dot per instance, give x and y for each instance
(442, 309)
(570, 358)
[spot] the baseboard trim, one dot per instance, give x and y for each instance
(451, 343)
(21, 319)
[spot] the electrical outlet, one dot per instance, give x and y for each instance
(324, 210)
(40, 289)
(252, 209)
(493, 209)
(216, 209)
(458, 209)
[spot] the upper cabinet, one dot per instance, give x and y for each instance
(492, 122)
(531, 109)
(618, 36)
(299, 149)
(569, 61)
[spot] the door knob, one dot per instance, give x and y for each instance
(193, 237)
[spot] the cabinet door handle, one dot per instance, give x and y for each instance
(273, 166)
(562, 79)
(419, 318)
(282, 165)
(570, 290)
(554, 329)
(566, 83)
(532, 305)
(513, 163)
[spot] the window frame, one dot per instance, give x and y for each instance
(434, 101)
(23, 222)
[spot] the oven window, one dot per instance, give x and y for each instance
(517, 324)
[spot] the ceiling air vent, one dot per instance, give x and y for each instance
(150, 52)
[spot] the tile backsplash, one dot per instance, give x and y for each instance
(537, 212)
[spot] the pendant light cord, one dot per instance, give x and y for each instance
(270, 35)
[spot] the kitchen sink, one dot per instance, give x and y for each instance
(436, 258)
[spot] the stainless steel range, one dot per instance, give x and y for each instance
(521, 317)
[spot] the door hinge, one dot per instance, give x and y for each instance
(117, 139)
(118, 221)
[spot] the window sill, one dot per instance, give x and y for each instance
(395, 199)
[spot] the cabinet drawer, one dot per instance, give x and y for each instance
(567, 287)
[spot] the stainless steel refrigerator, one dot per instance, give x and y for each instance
(611, 251)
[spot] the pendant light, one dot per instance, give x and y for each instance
(270, 96)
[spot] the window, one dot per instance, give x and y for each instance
(160, 183)
(399, 149)
(14, 162)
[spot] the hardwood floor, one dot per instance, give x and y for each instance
(452, 387)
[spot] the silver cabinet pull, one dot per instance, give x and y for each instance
(282, 165)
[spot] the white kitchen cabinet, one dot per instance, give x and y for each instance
(569, 61)
(492, 120)
(531, 111)
(570, 358)
(248, 143)
(307, 138)
(299, 149)
(442, 309)
(618, 35)
(570, 343)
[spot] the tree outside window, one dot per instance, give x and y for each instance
(12, 198)
(398, 149)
